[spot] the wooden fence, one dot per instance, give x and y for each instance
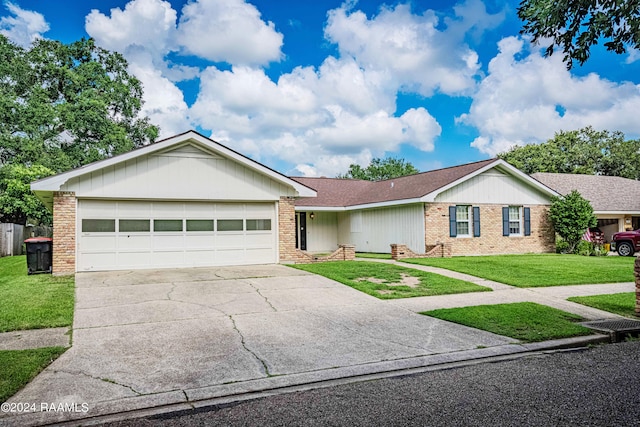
(12, 237)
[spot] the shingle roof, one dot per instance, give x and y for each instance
(606, 193)
(335, 192)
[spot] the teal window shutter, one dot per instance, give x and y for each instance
(527, 221)
(476, 221)
(453, 229)
(505, 221)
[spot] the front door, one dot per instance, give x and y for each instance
(301, 231)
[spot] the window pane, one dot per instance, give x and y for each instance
(514, 213)
(463, 228)
(230, 225)
(258, 224)
(199, 225)
(134, 225)
(167, 225)
(514, 227)
(462, 213)
(98, 225)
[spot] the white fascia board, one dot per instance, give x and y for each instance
(431, 197)
(54, 183)
(359, 207)
(616, 212)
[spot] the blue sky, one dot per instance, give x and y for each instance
(311, 87)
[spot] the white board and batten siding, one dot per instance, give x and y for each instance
(374, 230)
(186, 173)
(322, 232)
(493, 187)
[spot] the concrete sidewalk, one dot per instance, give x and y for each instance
(179, 339)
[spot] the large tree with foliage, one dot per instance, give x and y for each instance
(584, 151)
(379, 169)
(62, 106)
(575, 26)
(571, 215)
(66, 105)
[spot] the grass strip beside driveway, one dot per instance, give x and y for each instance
(538, 270)
(524, 321)
(33, 302)
(623, 304)
(388, 281)
(18, 367)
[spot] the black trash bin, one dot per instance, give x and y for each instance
(39, 251)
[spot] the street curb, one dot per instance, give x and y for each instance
(186, 400)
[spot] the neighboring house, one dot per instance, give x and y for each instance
(615, 200)
(487, 207)
(181, 202)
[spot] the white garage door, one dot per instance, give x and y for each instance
(119, 235)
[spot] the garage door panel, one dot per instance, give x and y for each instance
(134, 260)
(198, 244)
(134, 242)
(100, 243)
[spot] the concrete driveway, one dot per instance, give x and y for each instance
(148, 338)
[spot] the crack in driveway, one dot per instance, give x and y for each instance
(244, 344)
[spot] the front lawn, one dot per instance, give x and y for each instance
(389, 281)
(536, 270)
(623, 304)
(33, 302)
(21, 366)
(524, 321)
(374, 255)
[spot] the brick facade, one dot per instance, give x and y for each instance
(287, 229)
(64, 233)
(491, 240)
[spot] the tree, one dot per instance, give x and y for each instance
(571, 216)
(66, 105)
(379, 169)
(575, 26)
(584, 151)
(18, 204)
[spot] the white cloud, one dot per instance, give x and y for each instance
(228, 31)
(526, 98)
(143, 24)
(24, 27)
(411, 47)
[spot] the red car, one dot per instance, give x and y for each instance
(626, 243)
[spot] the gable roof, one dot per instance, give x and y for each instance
(606, 193)
(422, 187)
(192, 138)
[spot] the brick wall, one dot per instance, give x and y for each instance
(64, 233)
(287, 229)
(441, 250)
(491, 240)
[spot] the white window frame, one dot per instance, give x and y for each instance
(520, 221)
(468, 221)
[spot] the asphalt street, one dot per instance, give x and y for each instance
(597, 386)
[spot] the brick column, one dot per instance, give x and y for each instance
(287, 229)
(64, 233)
(636, 271)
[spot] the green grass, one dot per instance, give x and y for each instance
(359, 275)
(372, 255)
(623, 304)
(33, 302)
(524, 321)
(536, 270)
(18, 367)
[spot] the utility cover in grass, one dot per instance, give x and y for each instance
(524, 321)
(388, 281)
